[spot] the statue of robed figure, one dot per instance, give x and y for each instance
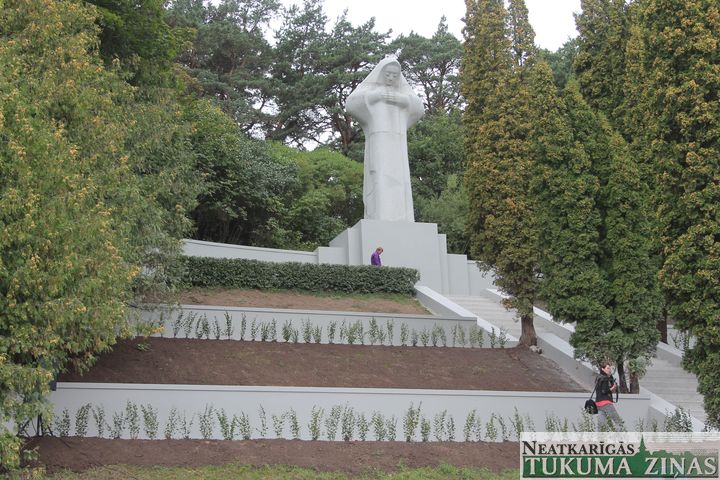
(386, 106)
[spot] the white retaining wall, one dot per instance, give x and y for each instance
(192, 400)
(175, 320)
(198, 248)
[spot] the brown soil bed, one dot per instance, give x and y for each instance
(352, 458)
(254, 363)
(230, 362)
(292, 299)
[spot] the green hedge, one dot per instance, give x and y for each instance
(241, 273)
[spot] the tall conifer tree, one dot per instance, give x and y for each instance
(501, 222)
(677, 55)
(627, 258)
(600, 60)
(521, 33)
(592, 208)
(573, 284)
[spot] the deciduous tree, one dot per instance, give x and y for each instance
(135, 33)
(244, 183)
(65, 184)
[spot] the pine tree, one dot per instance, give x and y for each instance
(678, 65)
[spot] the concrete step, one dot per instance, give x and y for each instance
(663, 378)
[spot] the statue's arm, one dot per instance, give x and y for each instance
(415, 108)
(400, 99)
(392, 97)
(374, 96)
(356, 106)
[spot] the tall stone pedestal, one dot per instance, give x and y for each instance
(405, 244)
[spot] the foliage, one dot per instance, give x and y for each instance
(561, 62)
(135, 34)
(230, 56)
(97, 180)
(293, 89)
(261, 193)
(598, 269)
(676, 59)
(240, 273)
(326, 197)
(62, 276)
(432, 65)
(498, 121)
(299, 85)
(244, 184)
(318, 65)
(435, 152)
(164, 164)
(449, 211)
(600, 60)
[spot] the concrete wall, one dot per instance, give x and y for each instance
(331, 255)
(405, 244)
(174, 323)
(197, 248)
(193, 400)
(478, 281)
(458, 274)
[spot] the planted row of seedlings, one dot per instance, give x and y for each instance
(326, 425)
(198, 326)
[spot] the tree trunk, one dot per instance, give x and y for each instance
(622, 383)
(634, 383)
(528, 337)
(662, 326)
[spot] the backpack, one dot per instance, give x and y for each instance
(590, 406)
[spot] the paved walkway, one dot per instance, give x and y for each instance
(665, 377)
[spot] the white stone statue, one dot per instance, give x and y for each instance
(385, 106)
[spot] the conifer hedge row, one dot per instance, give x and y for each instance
(242, 273)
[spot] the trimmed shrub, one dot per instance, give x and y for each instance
(241, 273)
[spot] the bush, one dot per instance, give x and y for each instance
(241, 273)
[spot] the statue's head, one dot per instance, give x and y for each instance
(391, 74)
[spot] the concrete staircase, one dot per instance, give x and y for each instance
(665, 378)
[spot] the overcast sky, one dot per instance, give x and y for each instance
(552, 20)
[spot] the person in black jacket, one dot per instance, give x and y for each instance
(605, 387)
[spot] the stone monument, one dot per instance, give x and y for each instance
(385, 106)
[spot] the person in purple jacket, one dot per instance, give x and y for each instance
(375, 257)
